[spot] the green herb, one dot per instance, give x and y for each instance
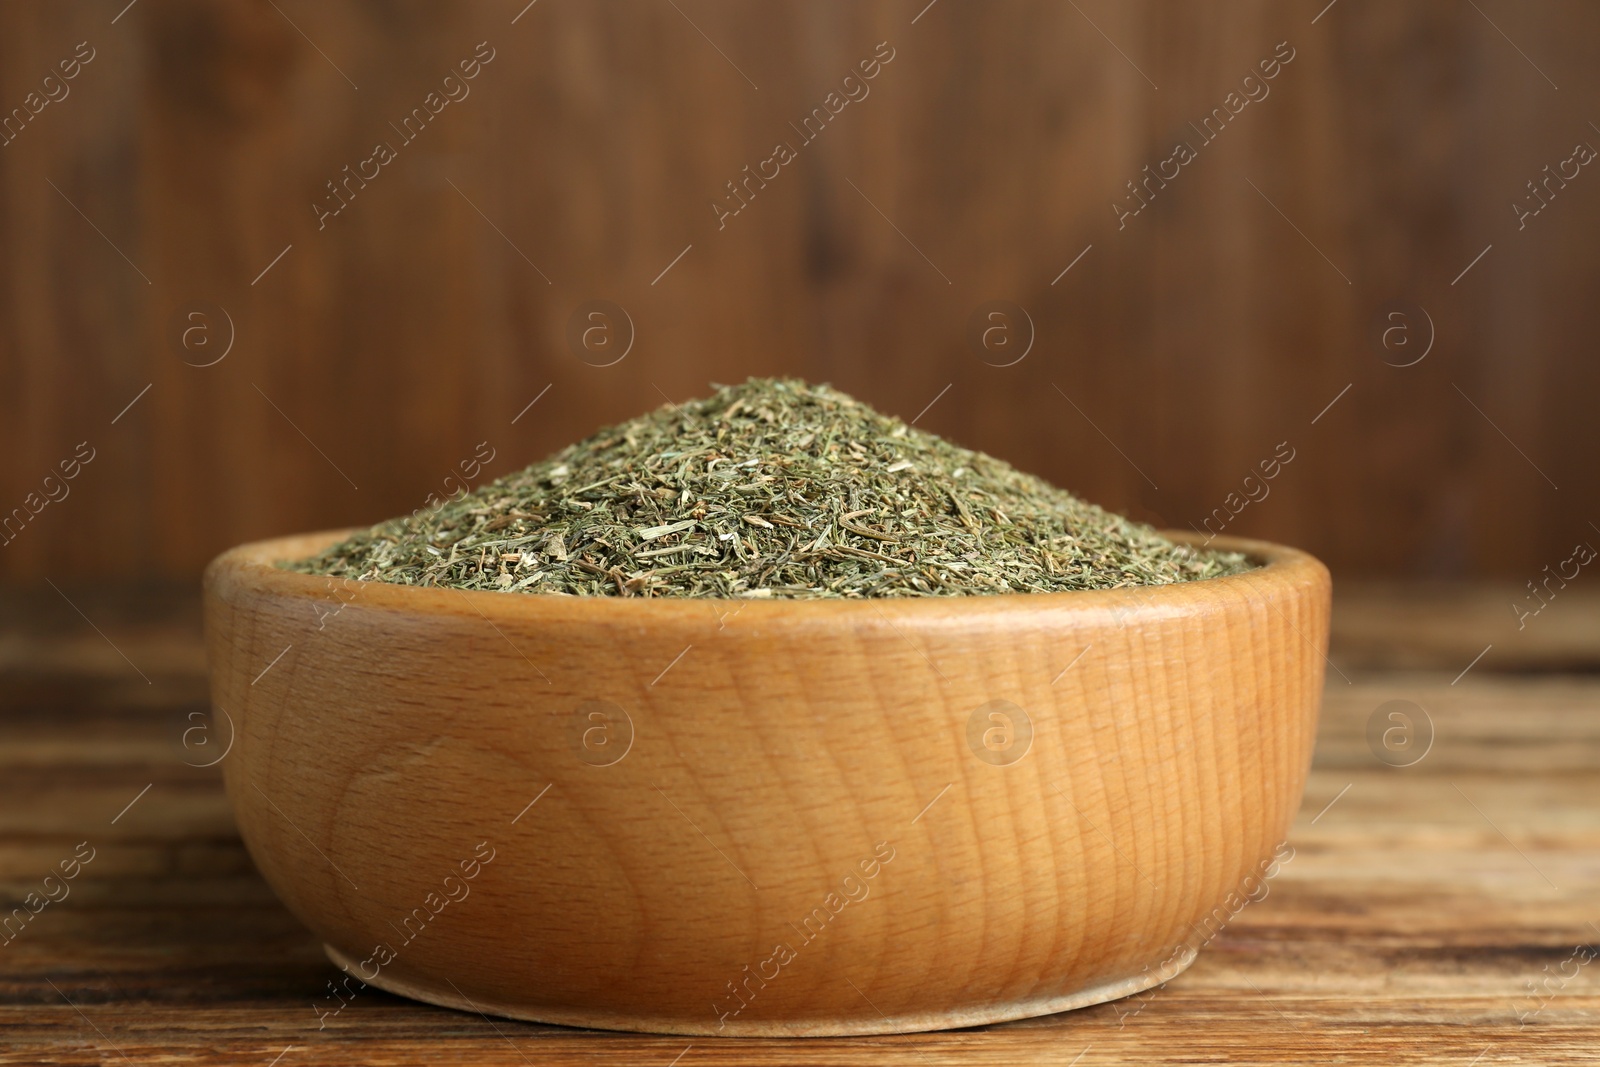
(773, 488)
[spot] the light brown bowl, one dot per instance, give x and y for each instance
(749, 817)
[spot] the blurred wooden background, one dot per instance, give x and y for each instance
(178, 172)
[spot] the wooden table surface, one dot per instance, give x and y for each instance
(1443, 912)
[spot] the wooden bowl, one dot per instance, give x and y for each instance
(758, 817)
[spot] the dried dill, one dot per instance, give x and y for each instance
(773, 488)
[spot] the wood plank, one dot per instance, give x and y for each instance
(416, 324)
(1446, 626)
(1419, 904)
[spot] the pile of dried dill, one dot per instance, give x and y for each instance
(771, 488)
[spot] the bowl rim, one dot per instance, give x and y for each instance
(250, 569)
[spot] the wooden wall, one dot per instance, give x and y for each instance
(1176, 353)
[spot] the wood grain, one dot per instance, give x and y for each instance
(1185, 347)
(1404, 930)
(1448, 626)
(744, 821)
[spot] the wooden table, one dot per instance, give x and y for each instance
(1421, 906)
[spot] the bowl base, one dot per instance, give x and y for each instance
(905, 1023)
